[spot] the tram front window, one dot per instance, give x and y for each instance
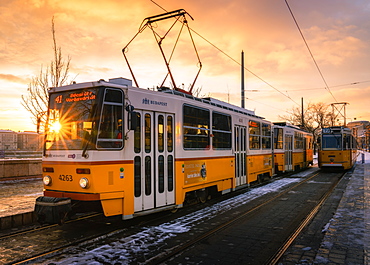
(71, 119)
(331, 142)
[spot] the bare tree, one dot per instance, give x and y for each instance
(56, 74)
(316, 116)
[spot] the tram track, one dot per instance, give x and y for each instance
(123, 233)
(34, 228)
(167, 257)
(41, 256)
(275, 259)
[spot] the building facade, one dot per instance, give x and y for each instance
(361, 130)
(8, 140)
(20, 141)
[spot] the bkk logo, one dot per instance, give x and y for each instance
(154, 102)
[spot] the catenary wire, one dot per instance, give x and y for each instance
(309, 50)
(228, 56)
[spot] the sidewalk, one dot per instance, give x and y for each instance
(347, 237)
(19, 195)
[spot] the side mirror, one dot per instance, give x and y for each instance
(132, 117)
(132, 120)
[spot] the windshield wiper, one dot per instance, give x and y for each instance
(88, 141)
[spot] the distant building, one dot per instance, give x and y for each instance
(21, 141)
(8, 140)
(361, 130)
(29, 141)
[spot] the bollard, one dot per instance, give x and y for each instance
(363, 158)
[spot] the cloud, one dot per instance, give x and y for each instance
(13, 78)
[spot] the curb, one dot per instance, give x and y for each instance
(17, 220)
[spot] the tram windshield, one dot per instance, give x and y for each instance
(71, 122)
(331, 142)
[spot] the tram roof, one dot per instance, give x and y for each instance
(119, 82)
(213, 102)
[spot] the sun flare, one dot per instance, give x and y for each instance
(56, 127)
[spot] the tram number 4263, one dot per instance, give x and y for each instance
(65, 177)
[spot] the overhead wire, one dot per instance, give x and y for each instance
(313, 88)
(309, 50)
(265, 104)
(228, 56)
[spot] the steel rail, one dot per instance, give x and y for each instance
(40, 228)
(164, 256)
(275, 259)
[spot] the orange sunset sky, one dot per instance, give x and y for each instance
(93, 34)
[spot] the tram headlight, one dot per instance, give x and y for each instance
(84, 183)
(47, 180)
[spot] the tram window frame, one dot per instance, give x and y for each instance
(266, 136)
(170, 133)
(331, 142)
(137, 133)
(196, 128)
(254, 135)
(148, 133)
(111, 120)
(137, 176)
(170, 173)
(221, 131)
(278, 138)
(298, 140)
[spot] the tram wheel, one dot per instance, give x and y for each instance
(202, 196)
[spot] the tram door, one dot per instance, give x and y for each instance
(154, 182)
(240, 155)
(288, 152)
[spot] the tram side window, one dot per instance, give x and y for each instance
(169, 134)
(110, 127)
(266, 136)
(137, 134)
(348, 142)
(254, 135)
(196, 127)
(221, 130)
(278, 138)
(298, 140)
(137, 176)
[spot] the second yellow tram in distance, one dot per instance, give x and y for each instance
(338, 148)
(293, 147)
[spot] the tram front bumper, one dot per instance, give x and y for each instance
(52, 210)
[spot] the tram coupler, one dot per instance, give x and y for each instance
(50, 210)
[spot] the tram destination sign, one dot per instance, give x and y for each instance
(326, 130)
(75, 97)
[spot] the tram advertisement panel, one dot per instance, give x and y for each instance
(195, 171)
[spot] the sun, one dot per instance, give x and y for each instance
(55, 127)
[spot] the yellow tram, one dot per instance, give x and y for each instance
(134, 151)
(293, 148)
(338, 148)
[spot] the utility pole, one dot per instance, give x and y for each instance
(242, 82)
(302, 114)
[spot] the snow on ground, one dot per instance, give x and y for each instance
(365, 155)
(348, 229)
(127, 249)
